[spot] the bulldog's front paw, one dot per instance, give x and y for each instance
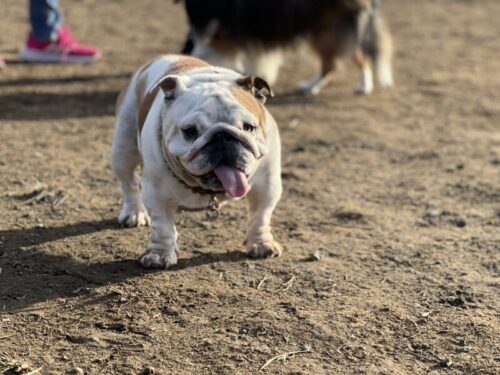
(264, 249)
(155, 258)
(133, 217)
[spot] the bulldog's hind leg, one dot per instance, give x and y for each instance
(125, 158)
(262, 200)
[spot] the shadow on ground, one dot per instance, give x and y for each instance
(34, 106)
(35, 81)
(30, 275)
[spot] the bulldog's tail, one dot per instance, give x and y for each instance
(376, 42)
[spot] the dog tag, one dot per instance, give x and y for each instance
(213, 210)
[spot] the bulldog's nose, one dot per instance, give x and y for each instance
(225, 149)
(222, 137)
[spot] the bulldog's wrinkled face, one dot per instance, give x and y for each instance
(214, 133)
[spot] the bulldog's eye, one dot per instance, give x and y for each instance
(249, 127)
(190, 133)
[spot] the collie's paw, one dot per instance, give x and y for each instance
(363, 88)
(309, 88)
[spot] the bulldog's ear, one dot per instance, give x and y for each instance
(259, 87)
(170, 86)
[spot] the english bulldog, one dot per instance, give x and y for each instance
(204, 137)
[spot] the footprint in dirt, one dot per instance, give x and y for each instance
(436, 218)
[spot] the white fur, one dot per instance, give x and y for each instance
(365, 85)
(264, 63)
(255, 60)
(384, 73)
(229, 59)
(161, 192)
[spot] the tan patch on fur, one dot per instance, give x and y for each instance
(360, 59)
(145, 99)
(144, 108)
(186, 63)
(139, 90)
(183, 64)
(251, 103)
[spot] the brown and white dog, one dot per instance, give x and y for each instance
(250, 36)
(204, 136)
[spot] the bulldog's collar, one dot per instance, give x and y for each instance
(213, 209)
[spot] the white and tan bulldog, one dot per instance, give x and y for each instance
(204, 137)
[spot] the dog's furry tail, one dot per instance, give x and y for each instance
(376, 42)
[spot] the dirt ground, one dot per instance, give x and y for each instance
(398, 193)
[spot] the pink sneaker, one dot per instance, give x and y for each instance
(66, 49)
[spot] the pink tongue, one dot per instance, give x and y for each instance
(234, 181)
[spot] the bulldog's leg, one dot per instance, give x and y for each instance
(124, 160)
(262, 200)
(162, 251)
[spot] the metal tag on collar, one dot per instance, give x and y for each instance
(213, 210)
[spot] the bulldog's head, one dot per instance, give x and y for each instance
(214, 128)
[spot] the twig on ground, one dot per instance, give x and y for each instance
(261, 282)
(59, 200)
(7, 336)
(36, 371)
(284, 356)
(289, 283)
(38, 197)
(27, 310)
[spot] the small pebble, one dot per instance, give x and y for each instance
(316, 256)
(446, 363)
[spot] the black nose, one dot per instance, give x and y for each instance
(223, 137)
(224, 149)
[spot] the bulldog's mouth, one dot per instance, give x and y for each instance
(233, 180)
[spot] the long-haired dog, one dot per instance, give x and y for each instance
(250, 36)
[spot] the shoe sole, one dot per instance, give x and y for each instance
(32, 55)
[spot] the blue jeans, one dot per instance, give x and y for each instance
(45, 19)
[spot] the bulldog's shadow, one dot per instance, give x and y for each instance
(29, 275)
